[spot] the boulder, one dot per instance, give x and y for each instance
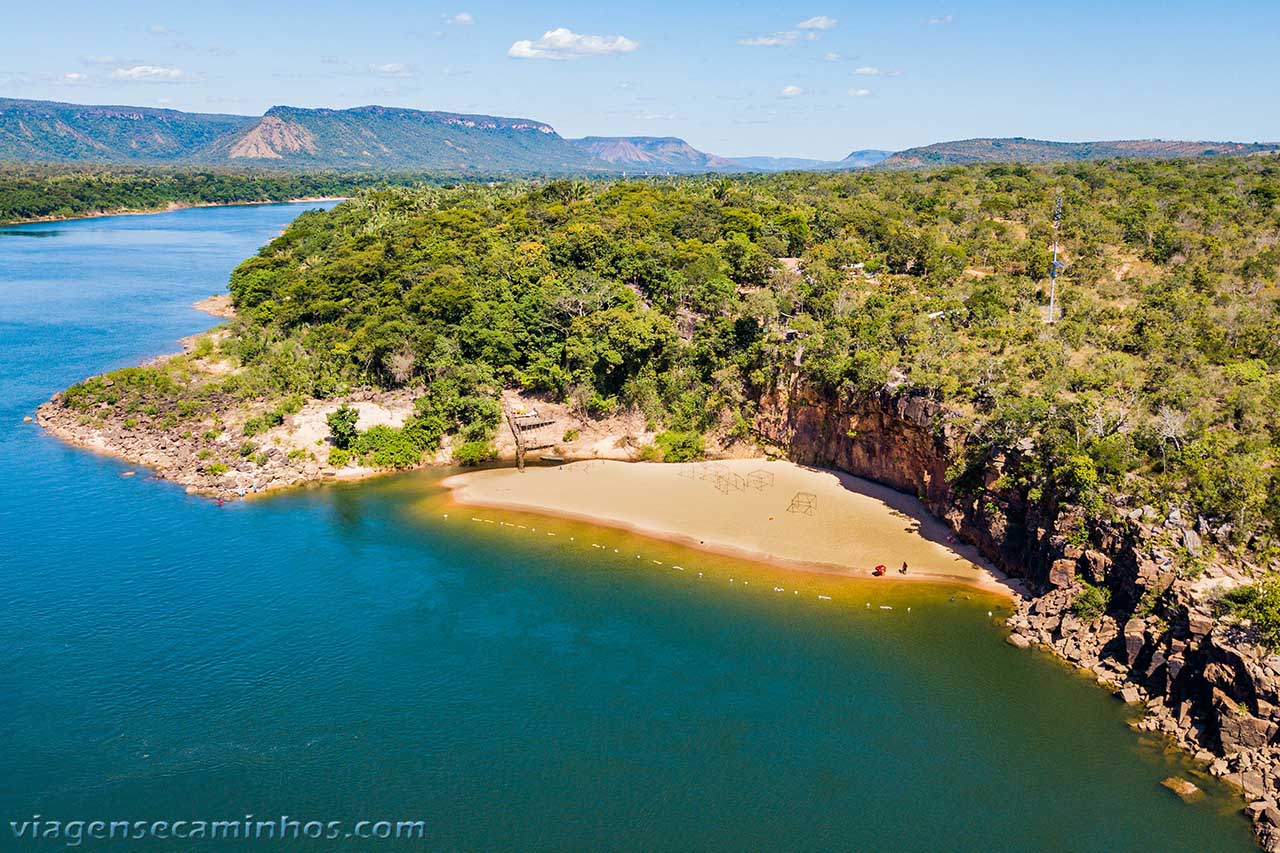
(1135, 637)
(1237, 728)
(1252, 783)
(1095, 566)
(1183, 788)
(1199, 624)
(1019, 641)
(1062, 573)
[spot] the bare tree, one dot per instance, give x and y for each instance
(1171, 425)
(400, 364)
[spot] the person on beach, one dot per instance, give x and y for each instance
(903, 570)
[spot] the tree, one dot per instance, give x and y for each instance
(342, 426)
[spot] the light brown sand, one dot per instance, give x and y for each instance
(854, 526)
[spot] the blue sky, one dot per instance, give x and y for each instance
(814, 80)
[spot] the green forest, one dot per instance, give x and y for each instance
(34, 192)
(687, 299)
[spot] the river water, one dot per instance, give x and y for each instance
(367, 652)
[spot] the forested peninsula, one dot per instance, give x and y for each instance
(1122, 458)
(38, 193)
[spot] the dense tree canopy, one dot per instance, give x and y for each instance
(687, 299)
(32, 192)
(681, 298)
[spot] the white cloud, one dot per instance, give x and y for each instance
(159, 29)
(563, 43)
(817, 22)
(832, 57)
(462, 19)
(785, 39)
(151, 74)
(75, 77)
(792, 91)
(940, 21)
(390, 69)
(860, 93)
(101, 60)
(867, 71)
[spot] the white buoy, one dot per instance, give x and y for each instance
(824, 598)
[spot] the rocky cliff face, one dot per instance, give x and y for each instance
(1204, 684)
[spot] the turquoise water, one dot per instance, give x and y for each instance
(350, 653)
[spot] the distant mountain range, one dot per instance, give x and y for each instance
(386, 138)
(653, 153)
(1019, 150)
(364, 138)
(856, 160)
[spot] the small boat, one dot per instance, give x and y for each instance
(551, 457)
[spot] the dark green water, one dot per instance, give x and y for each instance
(349, 653)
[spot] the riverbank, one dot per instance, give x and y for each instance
(758, 509)
(169, 207)
(220, 453)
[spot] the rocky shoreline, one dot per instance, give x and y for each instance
(1201, 680)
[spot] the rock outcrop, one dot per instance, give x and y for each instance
(1201, 680)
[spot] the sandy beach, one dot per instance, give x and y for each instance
(766, 510)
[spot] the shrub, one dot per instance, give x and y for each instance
(262, 423)
(1260, 604)
(217, 469)
(474, 453)
(680, 446)
(387, 447)
(1092, 602)
(571, 434)
(339, 458)
(342, 426)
